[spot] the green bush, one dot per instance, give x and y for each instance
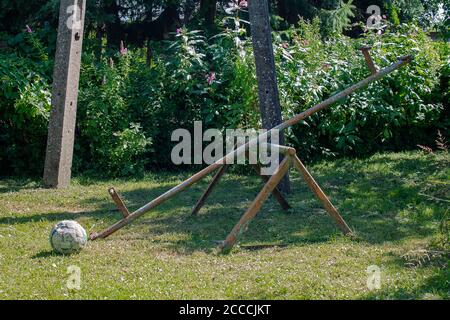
(110, 142)
(25, 99)
(393, 114)
(128, 107)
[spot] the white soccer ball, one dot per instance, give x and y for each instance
(68, 237)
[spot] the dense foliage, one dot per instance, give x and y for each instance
(137, 21)
(130, 104)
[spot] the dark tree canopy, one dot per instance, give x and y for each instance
(136, 21)
(188, 60)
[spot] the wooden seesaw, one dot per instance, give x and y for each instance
(291, 159)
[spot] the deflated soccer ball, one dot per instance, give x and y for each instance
(68, 237)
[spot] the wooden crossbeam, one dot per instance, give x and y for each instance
(255, 207)
(201, 202)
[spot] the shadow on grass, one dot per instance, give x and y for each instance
(378, 197)
(172, 226)
(373, 203)
(14, 185)
(45, 254)
(58, 216)
(385, 202)
(50, 253)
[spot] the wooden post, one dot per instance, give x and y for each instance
(209, 190)
(276, 193)
(269, 99)
(61, 131)
(370, 63)
(255, 207)
(119, 202)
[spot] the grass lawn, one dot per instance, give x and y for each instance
(397, 204)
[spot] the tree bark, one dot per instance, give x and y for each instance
(114, 32)
(99, 34)
(282, 10)
(269, 99)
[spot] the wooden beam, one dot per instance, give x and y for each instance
(119, 202)
(315, 188)
(276, 192)
(255, 207)
(209, 190)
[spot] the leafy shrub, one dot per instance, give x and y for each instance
(128, 106)
(111, 143)
(394, 113)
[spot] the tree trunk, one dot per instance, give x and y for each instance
(188, 10)
(99, 34)
(148, 21)
(114, 32)
(149, 55)
(208, 10)
(269, 99)
(282, 10)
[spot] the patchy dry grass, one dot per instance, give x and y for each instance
(396, 203)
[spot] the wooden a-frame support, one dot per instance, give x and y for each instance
(201, 202)
(221, 165)
(290, 160)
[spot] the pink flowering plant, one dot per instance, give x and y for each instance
(123, 50)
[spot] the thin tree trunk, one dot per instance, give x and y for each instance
(269, 99)
(148, 21)
(114, 30)
(100, 33)
(282, 10)
(188, 11)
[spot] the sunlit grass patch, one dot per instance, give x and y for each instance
(397, 204)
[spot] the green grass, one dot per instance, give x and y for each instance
(396, 203)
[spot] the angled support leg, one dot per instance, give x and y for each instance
(201, 202)
(209, 190)
(255, 207)
(119, 202)
(315, 188)
(276, 193)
